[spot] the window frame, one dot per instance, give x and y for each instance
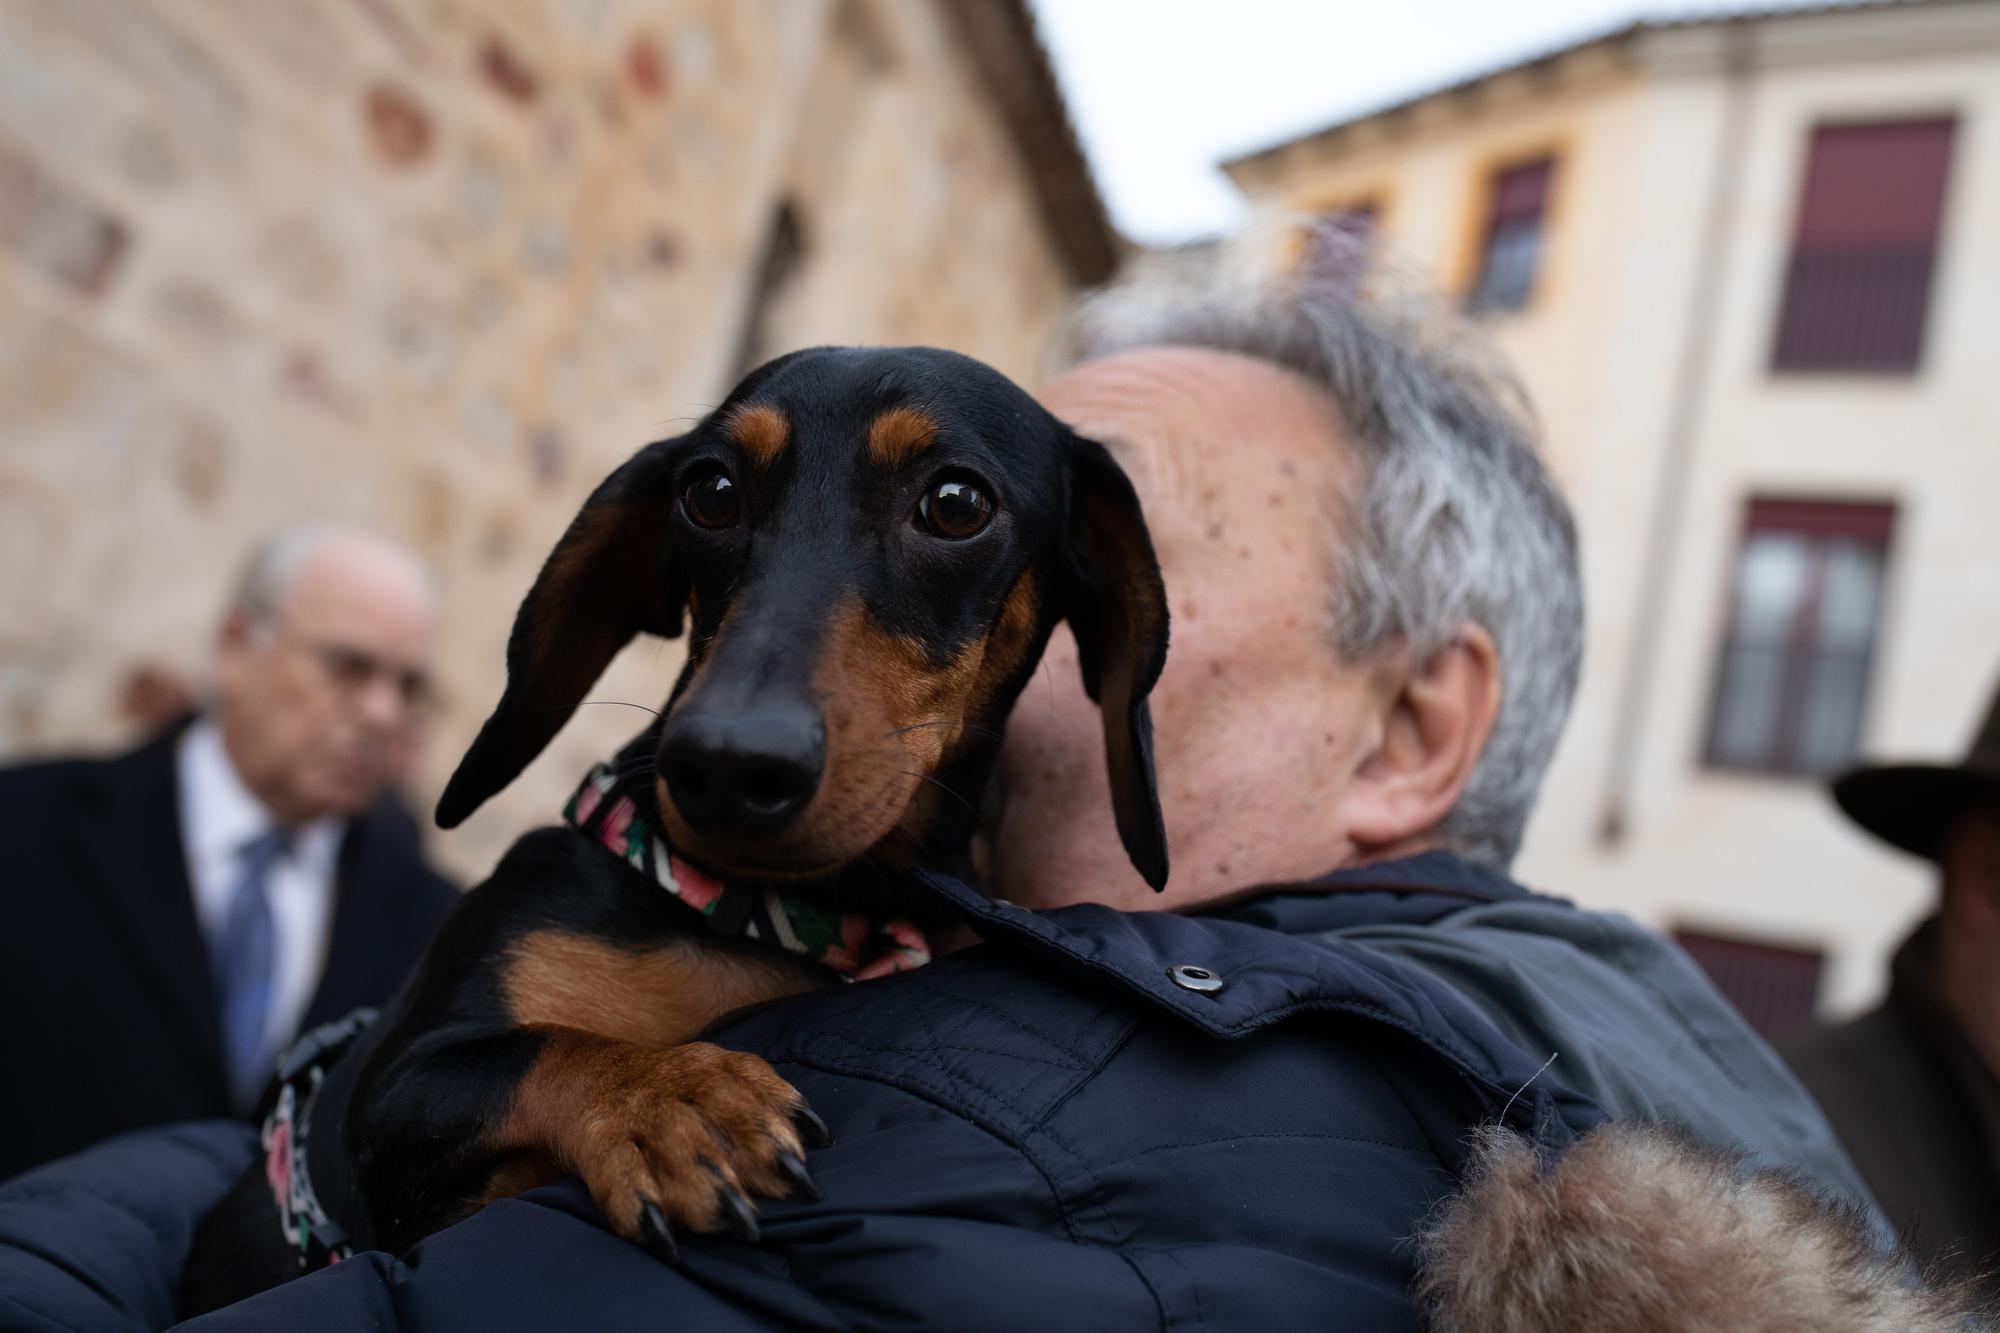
(1486, 223)
(1871, 521)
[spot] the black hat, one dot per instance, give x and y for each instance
(1912, 805)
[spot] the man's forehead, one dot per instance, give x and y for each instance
(355, 586)
(1169, 414)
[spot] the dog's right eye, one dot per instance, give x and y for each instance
(710, 500)
(955, 509)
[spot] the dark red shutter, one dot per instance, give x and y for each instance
(1520, 193)
(1863, 520)
(1875, 185)
(1773, 986)
(1857, 288)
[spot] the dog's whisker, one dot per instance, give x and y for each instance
(619, 703)
(593, 703)
(924, 777)
(973, 727)
(703, 409)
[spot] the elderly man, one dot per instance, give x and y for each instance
(1238, 1112)
(173, 917)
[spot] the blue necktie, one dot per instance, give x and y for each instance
(246, 967)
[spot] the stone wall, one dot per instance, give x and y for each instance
(439, 265)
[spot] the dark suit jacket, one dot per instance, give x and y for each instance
(1920, 1114)
(107, 1014)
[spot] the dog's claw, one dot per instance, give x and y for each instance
(741, 1220)
(795, 1171)
(659, 1237)
(812, 1128)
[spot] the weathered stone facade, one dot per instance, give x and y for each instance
(438, 265)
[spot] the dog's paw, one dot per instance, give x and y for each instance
(683, 1139)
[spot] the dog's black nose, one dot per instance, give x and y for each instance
(742, 773)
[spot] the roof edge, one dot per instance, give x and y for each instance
(1004, 45)
(1624, 36)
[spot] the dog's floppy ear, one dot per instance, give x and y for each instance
(612, 575)
(1117, 609)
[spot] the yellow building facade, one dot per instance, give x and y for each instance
(1784, 466)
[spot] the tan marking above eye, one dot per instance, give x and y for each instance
(899, 434)
(760, 431)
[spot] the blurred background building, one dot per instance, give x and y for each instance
(439, 266)
(1746, 267)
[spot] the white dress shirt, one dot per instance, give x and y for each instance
(218, 816)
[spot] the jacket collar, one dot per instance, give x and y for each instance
(1409, 890)
(1272, 966)
(128, 832)
(1434, 871)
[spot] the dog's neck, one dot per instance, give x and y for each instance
(857, 923)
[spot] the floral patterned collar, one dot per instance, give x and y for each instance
(858, 947)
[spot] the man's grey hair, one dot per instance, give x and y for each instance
(1455, 518)
(274, 563)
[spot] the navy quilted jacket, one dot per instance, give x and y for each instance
(1052, 1131)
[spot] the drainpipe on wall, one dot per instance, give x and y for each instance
(1694, 370)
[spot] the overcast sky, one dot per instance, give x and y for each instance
(1162, 89)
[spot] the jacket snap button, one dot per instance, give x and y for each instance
(1197, 979)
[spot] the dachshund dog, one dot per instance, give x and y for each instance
(872, 547)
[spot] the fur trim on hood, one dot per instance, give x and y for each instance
(1639, 1228)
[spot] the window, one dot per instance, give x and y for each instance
(1792, 681)
(1511, 245)
(1774, 987)
(1858, 285)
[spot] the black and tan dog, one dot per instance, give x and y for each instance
(873, 546)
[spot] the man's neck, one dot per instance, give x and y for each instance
(283, 814)
(1396, 851)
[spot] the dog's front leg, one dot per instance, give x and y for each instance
(551, 1028)
(665, 1139)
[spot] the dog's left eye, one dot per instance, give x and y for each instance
(710, 500)
(955, 509)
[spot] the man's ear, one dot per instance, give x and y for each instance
(1435, 721)
(235, 638)
(1117, 608)
(612, 575)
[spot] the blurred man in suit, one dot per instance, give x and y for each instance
(1913, 1088)
(172, 917)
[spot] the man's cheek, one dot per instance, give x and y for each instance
(401, 760)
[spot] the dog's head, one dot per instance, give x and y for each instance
(873, 546)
